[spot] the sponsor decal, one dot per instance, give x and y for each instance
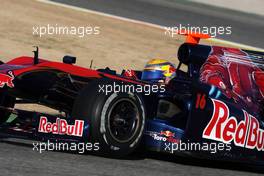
(164, 136)
(7, 79)
(167, 133)
(61, 127)
(225, 128)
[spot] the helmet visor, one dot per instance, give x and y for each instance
(152, 75)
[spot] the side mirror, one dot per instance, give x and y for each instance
(69, 59)
(36, 53)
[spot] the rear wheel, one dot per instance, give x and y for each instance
(116, 119)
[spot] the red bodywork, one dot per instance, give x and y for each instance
(25, 64)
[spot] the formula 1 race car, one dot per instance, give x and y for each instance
(213, 110)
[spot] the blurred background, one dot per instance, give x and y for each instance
(246, 17)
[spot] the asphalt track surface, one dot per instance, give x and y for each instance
(246, 28)
(18, 158)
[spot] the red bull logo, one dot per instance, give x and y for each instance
(165, 136)
(225, 128)
(61, 127)
(167, 133)
(7, 79)
(130, 74)
(172, 70)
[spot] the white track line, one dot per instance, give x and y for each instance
(220, 41)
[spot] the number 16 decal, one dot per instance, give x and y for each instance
(200, 101)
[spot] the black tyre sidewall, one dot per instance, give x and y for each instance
(94, 107)
(6, 101)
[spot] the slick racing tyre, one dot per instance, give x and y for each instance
(6, 101)
(116, 119)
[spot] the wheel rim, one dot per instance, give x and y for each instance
(123, 120)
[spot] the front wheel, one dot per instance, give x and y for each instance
(6, 101)
(116, 120)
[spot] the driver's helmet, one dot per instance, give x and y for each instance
(159, 71)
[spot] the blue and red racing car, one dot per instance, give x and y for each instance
(213, 110)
